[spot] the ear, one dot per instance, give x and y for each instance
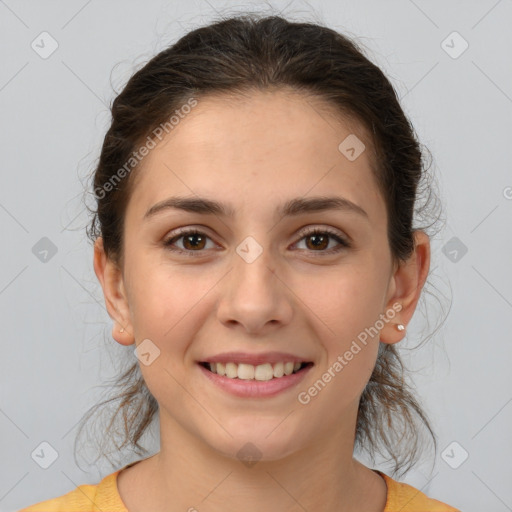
(111, 280)
(405, 287)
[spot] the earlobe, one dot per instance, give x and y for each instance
(111, 279)
(122, 335)
(406, 286)
(394, 330)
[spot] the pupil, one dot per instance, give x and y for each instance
(191, 237)
(318, 243)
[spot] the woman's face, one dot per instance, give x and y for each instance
(253, 281)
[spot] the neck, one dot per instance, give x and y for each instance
(192, 476)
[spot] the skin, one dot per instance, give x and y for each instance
(254, 153)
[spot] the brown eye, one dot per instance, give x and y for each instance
(318, 240)
(193, 241)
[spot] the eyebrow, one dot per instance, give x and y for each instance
(292, 207)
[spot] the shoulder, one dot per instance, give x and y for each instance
(85, 498)
(406, 498)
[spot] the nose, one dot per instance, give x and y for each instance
(254, 295)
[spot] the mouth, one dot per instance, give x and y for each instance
(261, 372)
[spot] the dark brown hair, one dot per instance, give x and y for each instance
(236, 56)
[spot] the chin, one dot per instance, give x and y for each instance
(255, 444)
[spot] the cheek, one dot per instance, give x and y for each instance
(165, 305)
(165, 302)
(346, 300)
(344, 307)
(150, 298)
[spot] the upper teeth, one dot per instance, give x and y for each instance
(248, 371)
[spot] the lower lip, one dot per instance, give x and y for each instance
(256, 388)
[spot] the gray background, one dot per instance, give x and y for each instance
(54, 329)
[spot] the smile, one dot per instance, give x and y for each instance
(261, 372)
(261, 381)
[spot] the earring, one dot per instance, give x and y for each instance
(400, 327)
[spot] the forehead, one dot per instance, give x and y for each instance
(257, 150)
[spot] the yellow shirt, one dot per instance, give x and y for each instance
(104, 497)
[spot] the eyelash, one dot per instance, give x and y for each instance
(315, 231)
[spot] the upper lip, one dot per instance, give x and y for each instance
(255, 359)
